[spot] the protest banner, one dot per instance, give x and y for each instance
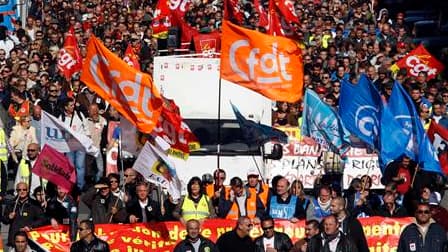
(300, 159)
(382, 234)
(358, 163)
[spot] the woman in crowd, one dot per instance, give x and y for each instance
(195, 205)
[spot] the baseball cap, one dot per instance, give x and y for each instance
(252, 172)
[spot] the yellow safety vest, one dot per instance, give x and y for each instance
(199, 211)
(3, 147)
(24, 172)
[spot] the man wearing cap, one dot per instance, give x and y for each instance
(256, 186)
(238, 201)
(104, 206)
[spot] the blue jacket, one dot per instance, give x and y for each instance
(412, 240)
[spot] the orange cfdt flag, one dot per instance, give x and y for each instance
(269, 65)
(129, 91)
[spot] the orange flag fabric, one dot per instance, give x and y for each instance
(269, 65)
(129, 91)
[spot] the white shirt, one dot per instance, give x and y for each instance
(268, 242)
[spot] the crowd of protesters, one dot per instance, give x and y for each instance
(340, 40)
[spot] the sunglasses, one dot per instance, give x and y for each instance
(21, 190)
(113, 181)
(31, 150)
(268, 228)
(423, 212)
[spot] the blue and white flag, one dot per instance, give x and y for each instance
(256, 133)
(366, 116)
(62, 138)
(359, 109)
(322, 123)
(418, 147)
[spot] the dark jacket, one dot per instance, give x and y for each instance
(231, 242)
(101, 208)
(398, 212)
(152, 210)
(95, 245)
(412, 240)
(65, 213)
(344, 244)
(282, 243)
(28, 213)
(351, 227)
(206, 245)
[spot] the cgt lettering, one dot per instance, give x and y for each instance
(266, 63)
(417, 66)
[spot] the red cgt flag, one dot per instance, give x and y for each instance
(69, 57)
(55, 167)
(131, 58)
(419, 60)
(175, 131)
(287, 9)
(207, 43)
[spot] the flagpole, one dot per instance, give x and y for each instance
(218, 147)
(413, 177)
(120, 156)
(74, 110)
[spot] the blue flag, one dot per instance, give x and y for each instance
(418, 147)
(256, 133)
(359, 109)
(322, 123)
(366, 116)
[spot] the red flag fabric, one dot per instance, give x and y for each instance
(207, 43)
(69, 57)
(435, 128)
(162, 19)
(55, 167)
(232, 11)
(263, 19)
(287, 9)
(419, 60)
(131, 58)
(174, 131)
(178, 9)
(187, 34)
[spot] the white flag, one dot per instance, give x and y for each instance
(63, 139)
(156, 167)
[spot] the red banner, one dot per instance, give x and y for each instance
(419, 60)
(55, 167)
(382, 234)
(207, 43)
(175, 131)
(131, 57)
(69, 57)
